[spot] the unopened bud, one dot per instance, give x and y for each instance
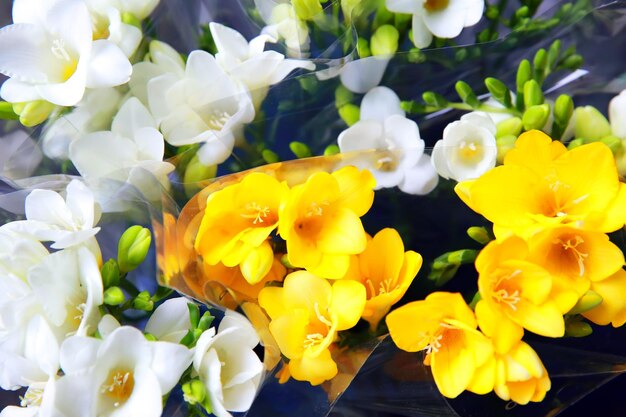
(33, 113)
(536, 117)
(577, 328)
(505, 144)
(614, 143)
(385, 40)
(306, 9)
(511, 126)
(133, 247)
(350, 114)
(300, 149)
(479, 234)
(143, 301)
(194, 391)
(114, 296)
(110, 272)
(575, 143)
(563, 109)
(257, 264)
(589, 300)
(533, 95)
(590, 124)
(131, 19)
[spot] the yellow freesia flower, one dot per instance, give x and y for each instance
(612, 309)
(386, 270)
(541, 183)
(306, 314)
(515, 295)
(445, 327)
(321, 220)
(574, 258)
(237, 222)
(517, 375)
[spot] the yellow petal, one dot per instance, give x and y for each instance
(331, 266)
(484, 378)
(545, 320)
(342, 233)
(614, 216)
(313, 369)
(453, 365)
(289, 330)
(258, 263)
(273, 302)
(409, 324)
(384, 256)
(356, 188)
(302, 252)
(613, 306)
(523, 363)
(534, 150)
(504, 332)
(348, 301)
(305, 290)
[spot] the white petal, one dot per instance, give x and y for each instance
(68, 93)
(14, 411)
(167, 58)
(289, 65)
(107, 325)
(217, 149)
(41, 346)
(169, 361)
(422, 36)
(158, 89)
(362, 75)
(24, 53)
(257, 44)
(480, 119)
(440, 163)
(48, 207)
(143, 72)
(146, 398)
(403, 6)
(617, 115)
(171, 317)
(129, 39)
(102, 155)
(202, 346)
(91, 281)
(150, 144)
(446, 23)
(363, 135)
(75, 395)
(65, 239)
(80, 202)
(108, 66)
(14, 91)
(131, 117)
(474, 12)
(31, 11)
(243, 326)
(229, 41)
(239, 398)
(421, 179)
(70, 21)
(79, 353)
(402, 133)
(202, 65)
(380, 103)
(212, 380)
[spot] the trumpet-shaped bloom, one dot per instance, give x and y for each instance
(237, 222)
(170, 321)
(541, 183)
(66, 222)
(386, 271)
(49, 54)
(517, 375)
(612, 309)
(106, 18)
(249, 63)
(468, 148)
(515, 295)
(306, 314)
(320, 220)
(206, 106)
(384, 128)
(228, 366)
(442, 18)
(574, 258)
(445, 327)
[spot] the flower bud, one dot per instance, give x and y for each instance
(131, 19)
(33, 113)
(331, 150)
(363, 48)
(466, 94)
(479, 234)
(590, 124)
(133, 247)
(196, 171)
(143, 301)
(194, 391)
(499, 91)
(306, 9)
(385, 40)
(269, 156)
(350, 114)
(433, 99)
(300, 150)
(257, 264)
(505, 144)
(343, 96)
(540, 62)
(524, 74)
(577, 328)
(553, 53)
(205, 321)
(589, 300)
(575, 143)
(563, 109)
(614, 143)
(7, 112)
(535, 117)
(114, 296)
(533, 95)
(511, 126)
(110, 272)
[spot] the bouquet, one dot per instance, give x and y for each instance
(310, 207)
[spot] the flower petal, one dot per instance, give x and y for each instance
(108, 66)
(380, 103)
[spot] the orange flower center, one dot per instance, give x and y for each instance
(505, 291)
(260, 215)
(435, 5)
(572, 249)
(118, 386)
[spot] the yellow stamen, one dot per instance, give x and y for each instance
(118, 386)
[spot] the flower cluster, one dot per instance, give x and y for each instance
(330, 273)
(551, 260)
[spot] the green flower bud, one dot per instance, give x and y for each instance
(589, 300)
(143, 301)
(110, 272)
(205, 321)
(385, 40)
(350, 113)
(269, 156)
(300, 150)
(553, 54)
(505, 144)
(466, 94)
(194, 314)
(435, 100)
(521, 12)
(196, 171)
(363, 48)
(131, 19)
(573, 62)
(33, 113)
(150, 337)
(462, 256)
(343, 96)
(532, 94)
(7, 112)
(540, 62)
(563, 109)
(479, 234)
(575, 143)
(524, 74)
(498, 90)
(577, 328)
(114, 296)
(614, 143)
(590, 124)
(620, 160)
(194, 392)
(492, 12)
(133, 247)
(535, 117)
(348, 7)
(307, 9)
(331, 150)
(511, 126)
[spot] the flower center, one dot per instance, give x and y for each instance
(435, 5)
(32, 398)
(384, 287)
(504, 293)
(68, 65)
(470, 151)
(571, 247)
(118, 386)
(317, 337)
(256, 212)
(216, 119)
(387, 164)
(312, 220)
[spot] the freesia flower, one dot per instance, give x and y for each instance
(132, 145)
(320, 220)
(283, 23)
(170, 321)
(575, 258)
(517, 375)
(612, 309)
(249, 63)
(106, 18)
(542, 183)
(307, 312)
(401, 160)
(441, 18)
(468, 148)
(49, 54)
(66, 222)
(445, 327)
(122, 375)
(228, 366)
(237, 222)
(206, 106)
(386, 271)
(37, 401)
(515, 295)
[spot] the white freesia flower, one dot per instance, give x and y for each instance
(107, 24)
(44, 298)
(384, 127)
(93, 113)
(283, 23)
(249, 63)
(617, 115)
(49, 54)
(228, 366)
(170, 321)
(66, 222)
(122, 375)
(442, 18)
(37, 401)
(358, 76)
(206, 106)
(132, 144)
(468, 148)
